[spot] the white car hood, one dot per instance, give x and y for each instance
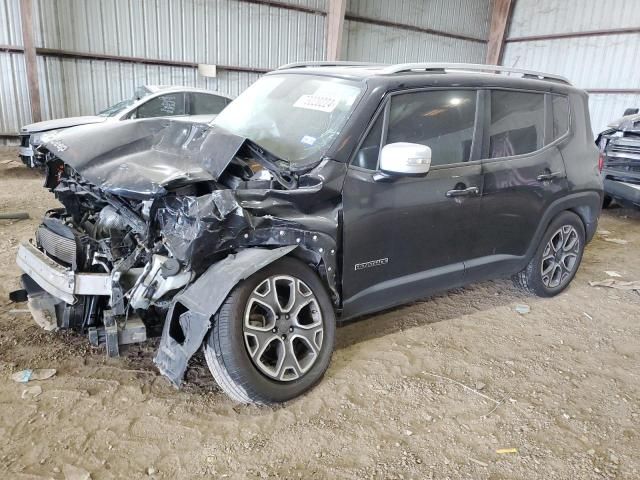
(61, 123)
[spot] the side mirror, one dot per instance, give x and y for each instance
(405, 159)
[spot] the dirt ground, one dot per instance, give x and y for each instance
(560, 384)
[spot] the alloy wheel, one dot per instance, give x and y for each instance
(560, 257)
(283, 327)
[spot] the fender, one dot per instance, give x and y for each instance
(587, 205)
(188, 318)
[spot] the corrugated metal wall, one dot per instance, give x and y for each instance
(366, 42)
(222, 32)
(595, 62)
(14, 103)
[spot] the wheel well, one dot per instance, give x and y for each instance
(589, 219)
(316, 263)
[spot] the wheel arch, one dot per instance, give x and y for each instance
(188, 318)
(589, 216)
(586, 205)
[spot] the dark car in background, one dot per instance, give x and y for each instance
(620, 160)
(148, 101)
(322, 193)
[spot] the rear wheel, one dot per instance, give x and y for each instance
(557, 258)
(273, 337)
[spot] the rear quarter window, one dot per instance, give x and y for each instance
(560, 115)
(207, 104)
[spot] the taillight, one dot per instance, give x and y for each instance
(600, 162)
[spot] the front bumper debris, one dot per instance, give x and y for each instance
(58, 280)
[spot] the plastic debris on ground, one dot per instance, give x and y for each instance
(31, 392)
(617, 284)
(506, 450)
(24, 376)
(617, 241)
(71, 472)
(522, 309)
(611, 273)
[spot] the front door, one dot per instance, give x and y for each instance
(406, 237)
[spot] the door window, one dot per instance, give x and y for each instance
(517, 123)
(207, 104)
(167, 105)
(443, 120)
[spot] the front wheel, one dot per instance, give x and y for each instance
(273, 337)
(557, 258)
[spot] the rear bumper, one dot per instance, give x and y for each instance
(625, 191)
(58, 280)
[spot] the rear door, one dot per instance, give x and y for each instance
(405, 237)
(523, 174)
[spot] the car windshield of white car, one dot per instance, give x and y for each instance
(115, 109)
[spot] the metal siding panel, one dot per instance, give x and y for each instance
(616, 55)
(541, 17)
(466, 17)
(375, 43)
(14, 99)
(605, 108)
(227, 32)
(10, 27)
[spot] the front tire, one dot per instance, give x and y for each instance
(273, 337)
(557, 258)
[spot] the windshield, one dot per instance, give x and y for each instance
(295, 117)
(115, 109)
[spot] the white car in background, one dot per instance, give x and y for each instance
(149, 101)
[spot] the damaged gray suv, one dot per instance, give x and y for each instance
(322, 193)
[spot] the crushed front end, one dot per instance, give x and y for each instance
(160, 219)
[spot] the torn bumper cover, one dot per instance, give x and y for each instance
(189, 317)
(57, 280)
(161, 220)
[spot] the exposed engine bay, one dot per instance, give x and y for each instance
(150, 212)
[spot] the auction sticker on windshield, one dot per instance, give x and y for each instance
(322, 103)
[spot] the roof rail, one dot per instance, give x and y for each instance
(330, 64)
(471, 67)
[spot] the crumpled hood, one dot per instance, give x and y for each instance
(61, 123)
(140, 158)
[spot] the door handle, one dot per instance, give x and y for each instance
(545, 177)
(464, 192)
